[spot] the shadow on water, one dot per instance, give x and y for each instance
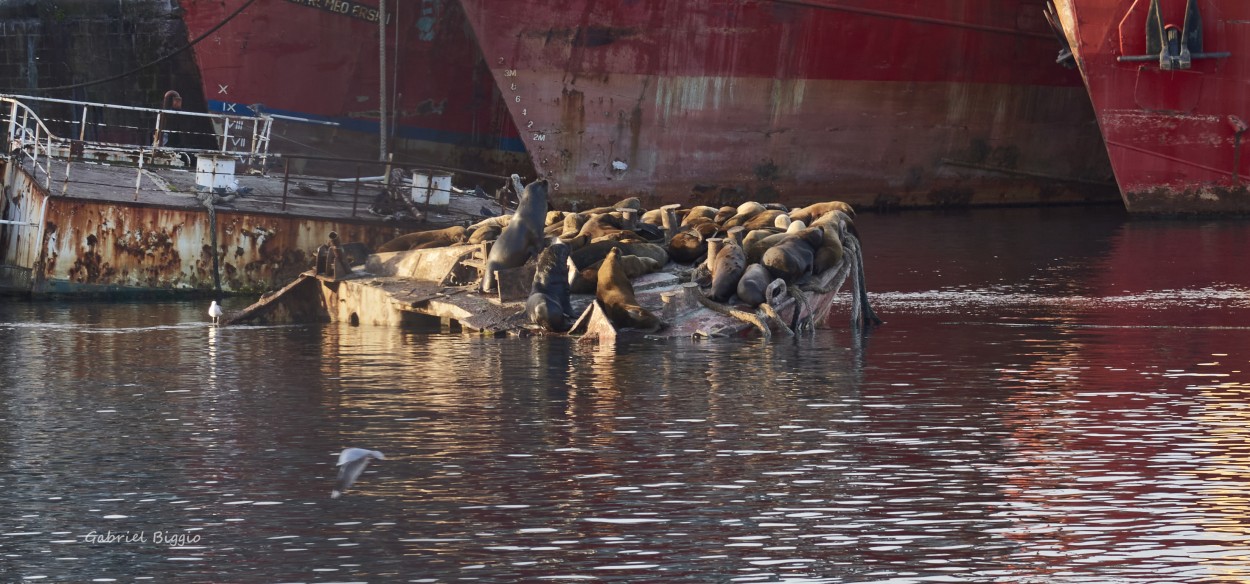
(1053, 395)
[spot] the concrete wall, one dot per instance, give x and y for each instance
(48, 44)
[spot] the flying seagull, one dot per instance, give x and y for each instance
(352, 462)
(214, 311)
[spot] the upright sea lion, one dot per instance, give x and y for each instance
(425, 239)
(548, 303)
(616, 295)
(522, 239)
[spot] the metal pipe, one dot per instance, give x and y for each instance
(139, 175)
(286, 182)
(382, 79)
(356, 193)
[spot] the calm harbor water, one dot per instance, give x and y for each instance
(1056, 396)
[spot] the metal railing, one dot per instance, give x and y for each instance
(41, 130)
(69, 129)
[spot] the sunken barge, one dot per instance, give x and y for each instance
(670, 272)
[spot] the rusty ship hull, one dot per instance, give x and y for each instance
(895, 103)
(1173, 126)
(97, 238)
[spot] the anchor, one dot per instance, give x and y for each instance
(1174, 47)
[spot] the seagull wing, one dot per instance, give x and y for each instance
(352, 462)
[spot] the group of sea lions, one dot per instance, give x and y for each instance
(735, 252)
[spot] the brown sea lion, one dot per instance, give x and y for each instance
(615, 293)
(522, 239)
(595, 252)
(695, 213)
(724, 214)
(764, 219)
(425, 239)
(830, 251)
(742, 214)
(653, 217)
(691, 244)
(488, 229)
(548, 303)
(483, 234)
(727, 268)
(584, 281)
(810, 213)
(630, 203)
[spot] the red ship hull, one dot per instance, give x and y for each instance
(894, 103)
(1174, 134)
(319, 60)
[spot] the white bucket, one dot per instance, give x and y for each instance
(431, 188)
(215, 172)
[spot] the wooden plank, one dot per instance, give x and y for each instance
(515, 284)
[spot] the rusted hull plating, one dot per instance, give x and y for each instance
(78, 246)
(1175, 136)
(894, 103)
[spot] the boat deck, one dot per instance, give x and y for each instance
(296, 195)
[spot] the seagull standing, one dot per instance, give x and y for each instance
(214, 311)
(352, 462)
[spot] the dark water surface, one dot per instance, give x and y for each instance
(1056, 396)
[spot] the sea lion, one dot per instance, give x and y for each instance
(757, 242)
(596, 252)
(691, 243)
(615, 293)
(584, 281)
(812, 212)
(522, 239)
(724, 214)
(631, 203)
(548, 303)
(425, 239)
(743, 213)
(695, 213)
(793, 257)
(727, 268)
(764, 219)
(753, 284)
(830, 251)
(484, 234)
(488, 229)
(653, 217)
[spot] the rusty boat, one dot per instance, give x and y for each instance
(93, 205)
(1167, 79)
